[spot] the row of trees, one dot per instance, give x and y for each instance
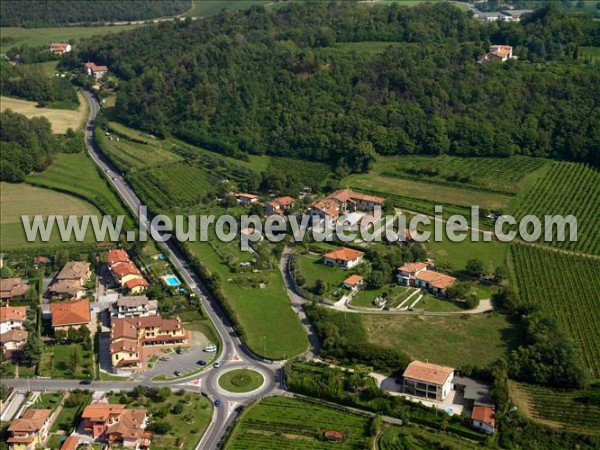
(42, 13)
(277, 82)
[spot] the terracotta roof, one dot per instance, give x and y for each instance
(328, 206)
(74, 270)
(245, 195)
(484, 414)
(118, 255)
(353, 280)
(284, 201)
(430, 373)
(344, 254)
(413, 267)
(12, 287)
(33, 420)
(332, 434)
(126, 346)
(100, 69)
(436, 279)
(41, 260)
(122, 269)
(14, 335)
(123, 328)
(101, 412)
(343, 195)
(70, 443)
(129, 425)
(72, 287)
(136, 282)
(12, 313)
(74, 312)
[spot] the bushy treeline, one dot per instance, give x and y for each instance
(280, 82)
(27, 145)
(43, 13)
(33, 84)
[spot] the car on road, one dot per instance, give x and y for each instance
(217, 364)
(176, 373)
(218, 403)
(114, 178)
(201, 362)
(107, 171)
(164, 358)
(86, 382)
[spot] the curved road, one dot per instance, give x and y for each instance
(233, 352)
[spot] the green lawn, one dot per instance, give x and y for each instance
(415, 437)
(55, 362)
(395, 295)
(271, 326)
(452, 340)
(49, 400)
(241, 380)
(280, 422)
(312, 269)
(202, 8)
(69, 416)
(45, 36)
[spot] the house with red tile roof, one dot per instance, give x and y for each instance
(73, 313)
(498, 53)
(30, 430)
(70, 443)
(246, 199)
(419, 274)
(58, 48)
(279, 205)
(345, 201)
(117, 255)
(125, 272)
(483, 418)
(430, 381)
(354, 282)
(343, 257)
(115, 424)
(92, 70)
(334, 436)
(12, 334)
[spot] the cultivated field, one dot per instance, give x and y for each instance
(61, 119)
(308, 173)
(567, 287)
(568, 188)
(285, 423)
(453, 340)
(24, 199)
(570, 410)
(202, 8)
(415, 437)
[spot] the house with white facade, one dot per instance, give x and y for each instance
(427, 380)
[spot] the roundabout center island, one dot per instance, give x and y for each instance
(241, 380)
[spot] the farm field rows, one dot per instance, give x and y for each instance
(60, 119)
(308, 173)
(451, 340)
(564, 409)
(568, 188)
(24, 199)
(280, 422)
(414, 437)
(566, 287)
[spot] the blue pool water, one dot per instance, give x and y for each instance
(172, 280)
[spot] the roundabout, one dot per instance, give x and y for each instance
(241, 380)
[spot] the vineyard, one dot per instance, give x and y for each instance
(280, 422)
(572, 410)
(308, 173)
(494, 174)
(568, 188)
(172, 186)
(567, 287)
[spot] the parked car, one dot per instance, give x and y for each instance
(177, 373)
(201, 362)
(86, 382)
(210, 348)
(217, 403)
(217, 364)
(164, 358)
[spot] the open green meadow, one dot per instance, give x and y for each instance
(286, 423)
(567, 288)
(70, 416)
(241, 380)
(24, 199)
(202, 8)
(271, 327)
(572, 410)
(567, 189)
(56, 359)
(455, 340)
(312, 269)
(414, 437)
(34, 37)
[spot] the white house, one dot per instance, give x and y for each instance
(12, 317)
(343, 257)
(95, 71)
(426, 380)
(418, 274)
(136, 306)
(483, 418)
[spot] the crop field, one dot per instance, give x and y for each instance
(452, 340)
(567, 287)
(285, 423)
(60, 119)
(272, 328)
(415, 437)
(76, 173)
(593, 53)
(33, 37)
(171, 186)
(571, 410)
(127, 154)
(202, 8)
(24, 199)
(503, 175)
(568, 188)
(308, 173)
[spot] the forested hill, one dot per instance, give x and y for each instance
(37, 13)
(287, 82)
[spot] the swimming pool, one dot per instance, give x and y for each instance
(171, 280)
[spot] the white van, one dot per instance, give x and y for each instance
(210, 348)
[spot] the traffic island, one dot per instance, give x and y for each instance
(241, 380)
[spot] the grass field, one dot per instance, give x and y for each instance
(61, 119)
(76, 173)
(241, 380)
(567, 288)
(202, 8)
(24, 199)
(285, 423)
(453, 340)
(69, 416)
(44, 36)
(312, 269)
(395, 295)
(593, 53)
(569, 410)
(54, 362)
(568, 188)
(414, 437)
(272, 328)
(308, 173)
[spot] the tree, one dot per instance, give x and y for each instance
(500, 274)
(73, 335)
(320, 287)
(74, 360)
(5, 272)
(32, 294)
(60, 335)
(32, 351)
(160, 427)
(475, 267)
(377, 279)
